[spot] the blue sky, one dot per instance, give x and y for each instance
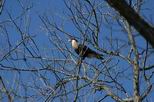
(55, 10)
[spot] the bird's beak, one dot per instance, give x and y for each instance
(69, 40)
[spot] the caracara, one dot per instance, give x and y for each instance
(83, 51)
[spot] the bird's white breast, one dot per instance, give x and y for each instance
(74, 44)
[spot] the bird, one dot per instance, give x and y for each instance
(83, 51)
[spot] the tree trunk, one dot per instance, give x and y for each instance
(134, 19)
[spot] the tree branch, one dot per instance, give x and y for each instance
(134, 19)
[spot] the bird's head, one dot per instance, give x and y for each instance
(72, 39)
(74, 43)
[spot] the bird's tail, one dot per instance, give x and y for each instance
(99, 56)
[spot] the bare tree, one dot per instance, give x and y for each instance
(37, 63)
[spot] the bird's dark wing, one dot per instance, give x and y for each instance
(84, 51)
